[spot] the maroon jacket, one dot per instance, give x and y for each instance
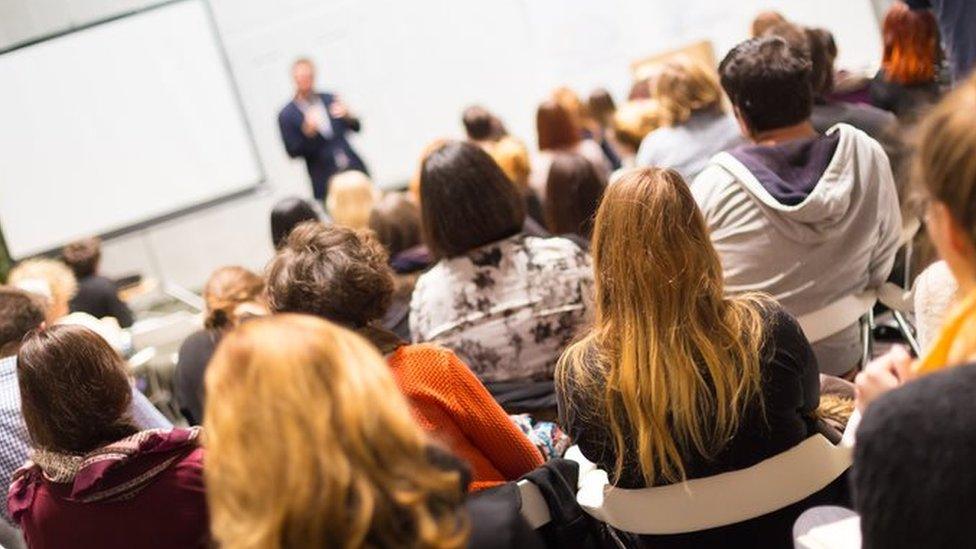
(143, 491)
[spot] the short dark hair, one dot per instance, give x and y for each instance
(477, 123)
(74, 390)
(912, 478)
(601, 106)
(333, 272)
(769, 83)
(82, 256)
(286, 214)
(466, 201)
(573, 193)
(20, 312)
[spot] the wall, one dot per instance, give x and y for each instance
(382, 55)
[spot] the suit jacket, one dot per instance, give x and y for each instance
(319, 152)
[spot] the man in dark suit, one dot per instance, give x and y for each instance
(314, 125)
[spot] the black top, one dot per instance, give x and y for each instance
(191, 365)
(906, 102)
(790, 391)
(99, 297)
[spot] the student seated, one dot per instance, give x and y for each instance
(343, 275)
(230, 295)
(560, 131)
(907, 81)
(913, 480)
(677, 380)
(573, 194)
(20, 313)
(808, 218)
(696, 127)
(946, 173)
(351, 197)
(481, 126)
(96, 295)
(310, 444)
(287, 213)
(95, 479)
(505, 302)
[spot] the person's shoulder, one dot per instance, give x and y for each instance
(497, 523)
(199, 341)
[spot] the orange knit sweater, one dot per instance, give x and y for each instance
(451, 404)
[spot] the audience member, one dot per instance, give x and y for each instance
(907, 81)
(94, 478)
(395, 220)
(230, 295)
(97, 295)
(632, 122)
(351, 198)
(584, 119)
(481, 126)
(827, 112)
(21, 312)
(696, 127)
(343, 276)
(310, 445)
(676, 380)
(764, 21)
(573, 194)
(794, 201)
(912, 479)
(507, 303)
(560, 131)
(49, 278)
(946, 171)
(957, 18)
(287, 213)
(513, 158)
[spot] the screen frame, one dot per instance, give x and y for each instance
(260, 185)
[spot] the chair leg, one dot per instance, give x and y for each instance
(867, 338)
(906, 330)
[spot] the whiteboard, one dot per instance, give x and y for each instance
(409, 68)
(116, 125)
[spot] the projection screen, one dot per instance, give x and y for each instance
(119, 125)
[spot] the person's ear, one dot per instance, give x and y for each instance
(743, 125)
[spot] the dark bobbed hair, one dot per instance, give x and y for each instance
(20, 312)
(286, 214)
(82, 256)
(333, 272)
(573, 193)
(74, 390)
(396, 221)
(556, 127)
(466, 201)
(477, 122)
(769, 82)
(823, 52)
(601, 106)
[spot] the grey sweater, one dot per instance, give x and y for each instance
(806, 222)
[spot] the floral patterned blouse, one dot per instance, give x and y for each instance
(509, 308)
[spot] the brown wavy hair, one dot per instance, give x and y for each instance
(674, 362)
(226, 289)
(311, 444)
(333, 272)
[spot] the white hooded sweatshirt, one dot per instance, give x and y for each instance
(808, 222)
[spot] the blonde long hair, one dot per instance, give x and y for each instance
(685, 86)
(310, 444)
(673, 362)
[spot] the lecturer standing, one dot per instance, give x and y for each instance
(314, 125)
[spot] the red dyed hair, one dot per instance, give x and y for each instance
(911, 45)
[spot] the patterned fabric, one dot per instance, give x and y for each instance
(508, 309)
(546, 435)
(14, 445)
(14, 440)
(86, 472)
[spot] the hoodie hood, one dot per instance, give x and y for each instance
(113, 472)
(809, 188)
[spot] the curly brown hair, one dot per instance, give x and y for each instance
(333, 272)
